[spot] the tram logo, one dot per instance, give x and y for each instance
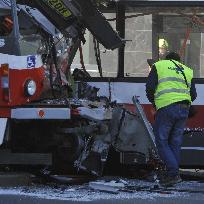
(177, 69)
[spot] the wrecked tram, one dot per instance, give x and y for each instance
(68, 81)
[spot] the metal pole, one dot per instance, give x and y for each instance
(157, 28)
(15, 26)
(120, 27)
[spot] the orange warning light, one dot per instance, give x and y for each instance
(41, 113)
(5, 69)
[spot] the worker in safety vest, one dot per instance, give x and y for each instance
(171, 90)
(163, 48)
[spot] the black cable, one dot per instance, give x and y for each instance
(99, 59)
(54, 57)
(50, 70)
(97, 55)
(119, 127)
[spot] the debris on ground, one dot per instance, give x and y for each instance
(111, 186)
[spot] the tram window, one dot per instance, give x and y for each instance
(143, 34)
(32, 45)
(6, 25)
(185, 37)
(172, 26)
(138, 49)
(31, 40)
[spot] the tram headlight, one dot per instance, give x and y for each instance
(30, 87)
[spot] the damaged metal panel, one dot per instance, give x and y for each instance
(91, 17)
(72, 17)
(96, 147)
(61, 19)
(130, 135)
(128, 132)
(95, 114)
(40, 19)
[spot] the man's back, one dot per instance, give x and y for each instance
(174, 81)
(168, 68)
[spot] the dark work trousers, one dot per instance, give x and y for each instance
(168, 129)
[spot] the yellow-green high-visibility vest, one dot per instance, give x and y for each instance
(171, 86)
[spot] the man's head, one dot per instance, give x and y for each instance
(173, 56)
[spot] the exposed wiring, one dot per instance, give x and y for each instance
(97, 55)
(82, 58)
(133, 16)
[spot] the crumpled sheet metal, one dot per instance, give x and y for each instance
(131, 135)
(95, 114)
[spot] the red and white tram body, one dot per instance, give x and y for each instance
(15, 73)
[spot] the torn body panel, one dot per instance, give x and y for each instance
(128, 133)
(72, 17)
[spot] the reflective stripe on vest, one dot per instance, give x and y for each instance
(173, 79)
(170, 91)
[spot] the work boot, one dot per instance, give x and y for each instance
(170, 180)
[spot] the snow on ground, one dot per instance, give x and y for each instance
(85, 194)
